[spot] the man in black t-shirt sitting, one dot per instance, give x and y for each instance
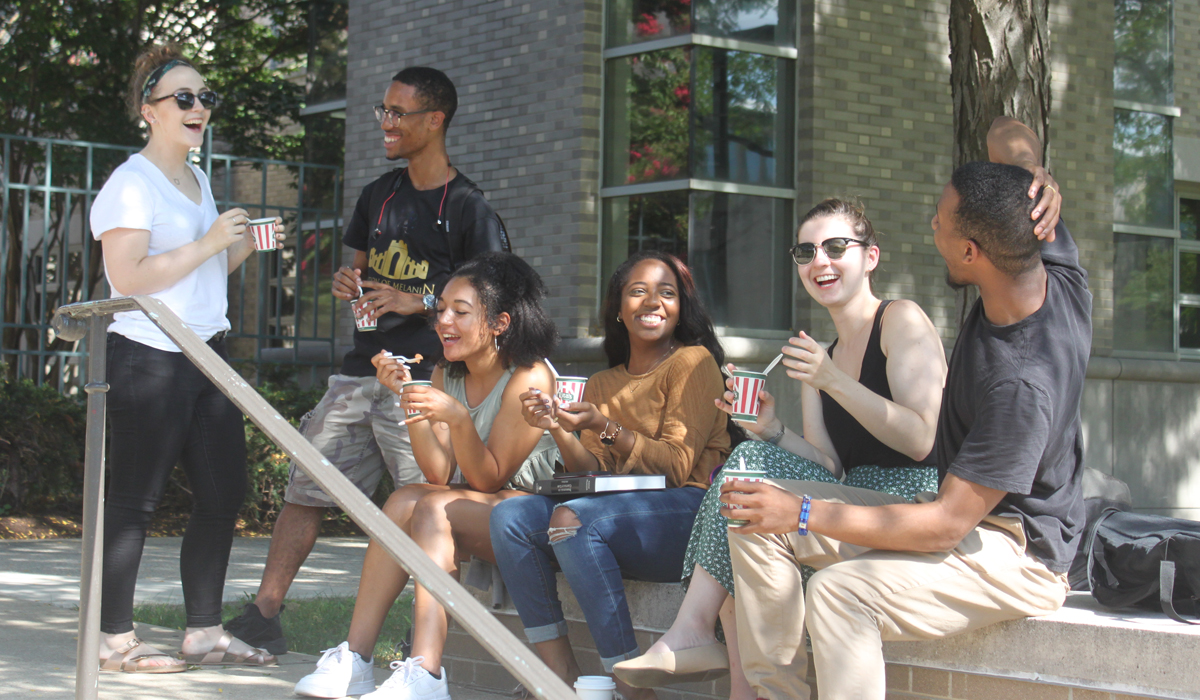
(410, 229)
(997, 539)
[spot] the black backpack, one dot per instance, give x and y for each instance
(1149, 561)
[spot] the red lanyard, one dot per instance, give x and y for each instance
(441, 204)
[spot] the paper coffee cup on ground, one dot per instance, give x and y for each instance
(263, 231)
(405, 385)
(747, 387)
(570, 389)
(364, 320)
(595, 688)
(741, 475)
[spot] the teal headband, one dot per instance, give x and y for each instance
(157, 74)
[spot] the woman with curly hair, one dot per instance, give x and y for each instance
(468, 421)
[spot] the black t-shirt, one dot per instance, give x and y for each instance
(407, 249)
(1010, 410)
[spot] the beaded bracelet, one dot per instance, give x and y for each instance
(805, 506)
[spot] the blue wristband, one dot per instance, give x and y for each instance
(805, 506)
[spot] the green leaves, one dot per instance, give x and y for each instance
(65, 66)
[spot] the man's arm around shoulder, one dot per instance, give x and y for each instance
(935, 526)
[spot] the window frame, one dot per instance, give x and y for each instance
(607, 53)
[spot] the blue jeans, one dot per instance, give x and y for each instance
(638, 534)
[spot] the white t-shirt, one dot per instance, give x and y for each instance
(139, 196)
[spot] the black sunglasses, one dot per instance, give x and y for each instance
(835, 248)
(185, 100)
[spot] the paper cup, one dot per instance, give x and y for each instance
(595, 687)
(741, 475)
(263, 231)
(570, 389)
(363, 320)
(405, 385)
(746, 389)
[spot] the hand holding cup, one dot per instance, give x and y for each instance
(766, 405)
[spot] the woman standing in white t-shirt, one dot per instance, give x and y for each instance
(161, 235)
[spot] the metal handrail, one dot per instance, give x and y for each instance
(73, 321)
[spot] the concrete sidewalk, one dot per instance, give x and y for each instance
(39, 597)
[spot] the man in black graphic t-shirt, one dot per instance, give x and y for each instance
(410, 229)
(996, 541)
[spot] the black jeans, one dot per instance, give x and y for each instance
(163, 411)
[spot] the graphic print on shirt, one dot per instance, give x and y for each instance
(396, 265)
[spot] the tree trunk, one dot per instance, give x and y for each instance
(999, 66)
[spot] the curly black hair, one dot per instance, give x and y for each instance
(434, 89)
(507, 284)
(695, 326)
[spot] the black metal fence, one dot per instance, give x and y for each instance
(279, 303)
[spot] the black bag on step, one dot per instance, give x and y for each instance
(1149, 561)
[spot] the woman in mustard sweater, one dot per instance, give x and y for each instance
(651, 412)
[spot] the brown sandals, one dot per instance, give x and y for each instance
(220, 655)
(124, 660)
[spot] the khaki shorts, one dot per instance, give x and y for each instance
(356, 426)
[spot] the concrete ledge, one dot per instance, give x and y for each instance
(1082, 646)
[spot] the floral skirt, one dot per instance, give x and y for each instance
(709, 543)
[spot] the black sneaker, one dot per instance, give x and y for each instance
(258, 631)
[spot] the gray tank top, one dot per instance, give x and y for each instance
(539, 464)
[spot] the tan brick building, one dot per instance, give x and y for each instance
(600, 126)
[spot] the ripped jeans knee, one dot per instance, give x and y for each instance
(562, 527)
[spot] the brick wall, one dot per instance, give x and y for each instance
(528, 124)
(1187, 67)
(1081, 155)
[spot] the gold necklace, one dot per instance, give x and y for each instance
(670, 349)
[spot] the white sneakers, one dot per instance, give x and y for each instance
(340, 672)
(411, 682)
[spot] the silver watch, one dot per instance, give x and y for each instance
(430, 302)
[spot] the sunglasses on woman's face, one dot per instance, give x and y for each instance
(835, 248)
(186, 100)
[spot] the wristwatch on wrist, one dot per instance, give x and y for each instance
(430, 302)
(607, 438)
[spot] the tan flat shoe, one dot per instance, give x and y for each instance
(220, 655)
(694, 665)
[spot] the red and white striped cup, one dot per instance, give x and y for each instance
(263, 231)
(741, 475)
(364, 318)
(747, 386)
(405, 385)
(569, 389)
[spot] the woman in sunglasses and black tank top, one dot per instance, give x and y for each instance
(161, 235)
(870, 406)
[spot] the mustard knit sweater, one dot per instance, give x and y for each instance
(677, 429)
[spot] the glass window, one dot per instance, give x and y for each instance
(327, 31)
(1189, 327)
(730, 127)
(1142, 67)
(763, 21)
(739, 124)
(646, 125)
(1189, 219)
(736, 246)
(1143, 169)
(1189, 280)
(1144, 292)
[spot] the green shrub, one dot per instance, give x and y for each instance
(266, 464)
(41, 446)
